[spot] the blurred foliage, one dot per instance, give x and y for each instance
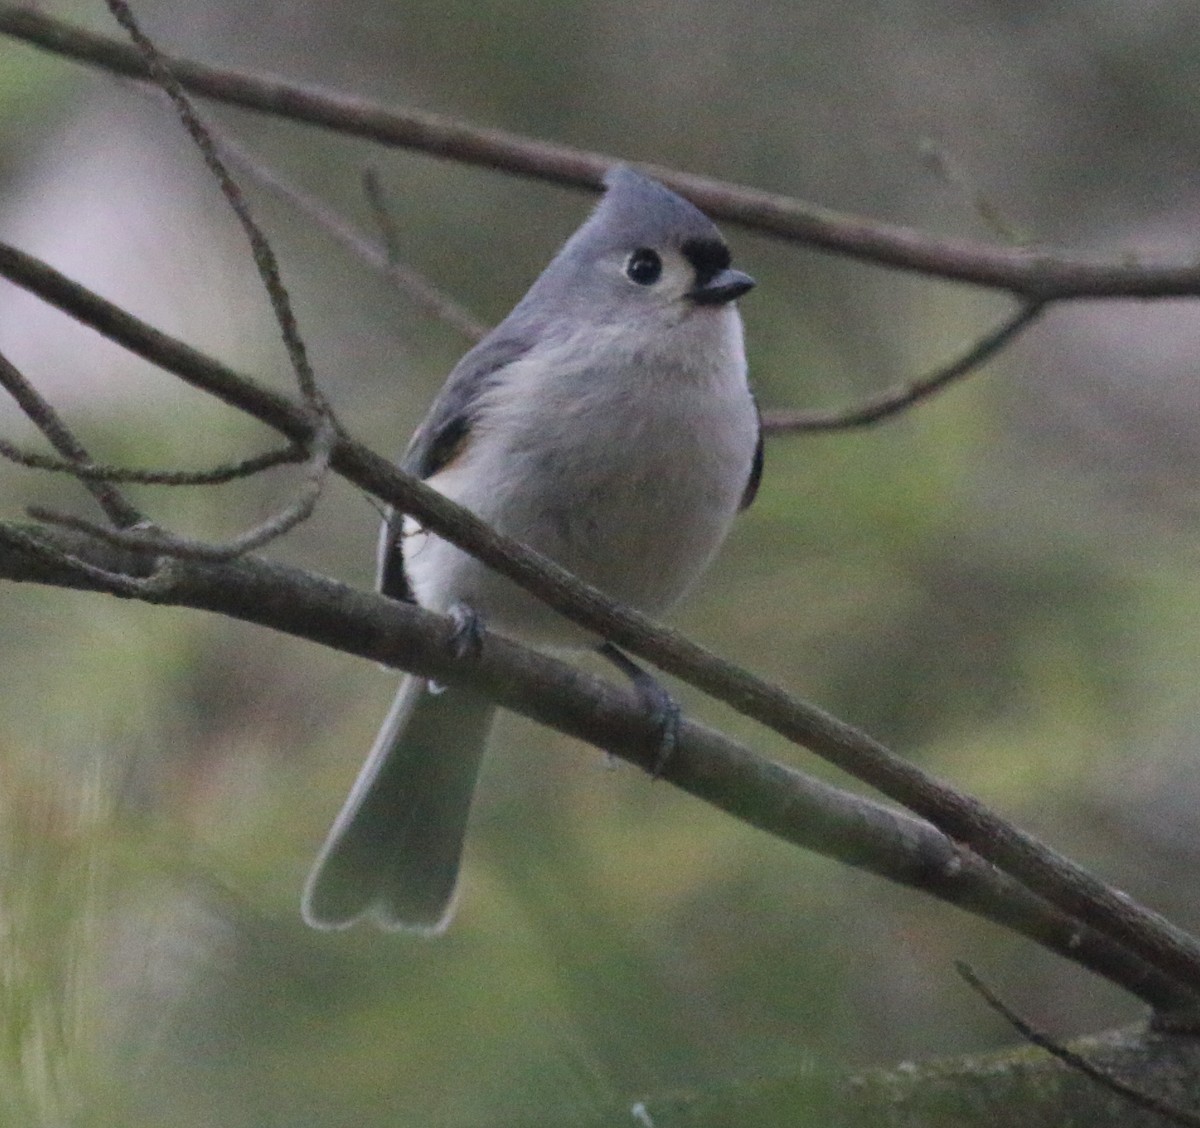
(1001, 584)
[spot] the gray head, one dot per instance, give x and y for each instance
(645, 252)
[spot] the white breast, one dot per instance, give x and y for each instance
(628, 471)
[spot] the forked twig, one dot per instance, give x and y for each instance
(118, 583)
(146, 538)
(119, 510)
(133, 532)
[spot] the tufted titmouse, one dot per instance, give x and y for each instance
(607, 423)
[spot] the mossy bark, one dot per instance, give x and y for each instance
(1022, 1087)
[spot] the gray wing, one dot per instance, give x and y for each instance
(444, 434)
(756, 465)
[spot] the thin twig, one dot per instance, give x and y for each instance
(268, 269)
(1039, 275)
(423, 293)
(1075, 1061)
(150, 540)
(264, 256)
(427, 297)
(895, 400)
(119, 510)
(419, 288)
(100, 472)
(1058, 879)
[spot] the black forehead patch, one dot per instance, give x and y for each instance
(707, 256)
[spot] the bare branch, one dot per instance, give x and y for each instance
(100, 472)
(119, 510)
(1058, 879)
(708, 765)
(1037, 276)
(424, 294)
(899, 399)
(405, 278)
(1073, 1060)
(147, 538)
(70, 570)
(264, 256)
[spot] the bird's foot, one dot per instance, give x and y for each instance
(466, 639)
(469, 629)
(662, 708)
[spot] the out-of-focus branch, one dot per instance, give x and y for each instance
(775, 798)
(1000, 1088)
(895, 400)
(1101, 1075)
(1036, 276)
(428, 296)
(1059, 880)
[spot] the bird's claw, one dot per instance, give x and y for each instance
(662, 709)
(466, 641)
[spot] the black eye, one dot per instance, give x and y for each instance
(643, 267)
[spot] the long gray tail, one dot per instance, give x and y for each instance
(393, 853)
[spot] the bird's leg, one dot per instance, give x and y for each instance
(469, 629)
(466, 640)
(660, 705)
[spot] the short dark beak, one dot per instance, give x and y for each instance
(724, 286)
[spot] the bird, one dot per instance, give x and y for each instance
(606, 422)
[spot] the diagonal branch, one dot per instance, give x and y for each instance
(157, 68)
(117, 508)
(770, 796)
(1037, 276)
(420, 289)
(1072, 1060)
(1058, 879)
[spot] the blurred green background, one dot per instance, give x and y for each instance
(1002, 584)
